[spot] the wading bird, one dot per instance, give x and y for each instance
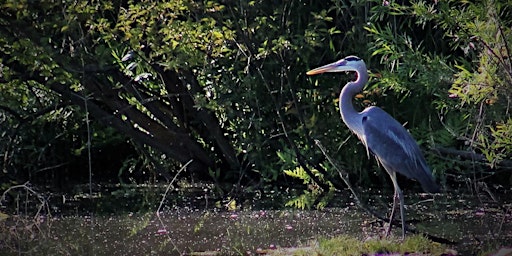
(381, 134)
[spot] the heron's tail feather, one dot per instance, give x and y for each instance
(430, 186)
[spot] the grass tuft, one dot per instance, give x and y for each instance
(346, 245)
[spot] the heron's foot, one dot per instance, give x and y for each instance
(387, 227)
(391, 216)
(388, 230)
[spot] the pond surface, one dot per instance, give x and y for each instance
(475, 223)
(185, 232)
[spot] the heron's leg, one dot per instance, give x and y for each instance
(398, 192)
(395, 197)
(402, 210)
(392, 215)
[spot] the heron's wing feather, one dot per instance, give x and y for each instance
(394, 147)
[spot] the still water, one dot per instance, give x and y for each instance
(474, 223)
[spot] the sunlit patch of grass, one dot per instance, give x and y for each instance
(347, 245)
(415, 244)
(420, 244)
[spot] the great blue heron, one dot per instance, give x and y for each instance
(382, 135)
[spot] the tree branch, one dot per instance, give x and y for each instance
(468, 155)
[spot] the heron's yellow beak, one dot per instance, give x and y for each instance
(322, 69)
(338, 66)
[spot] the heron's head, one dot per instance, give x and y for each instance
(350, 63)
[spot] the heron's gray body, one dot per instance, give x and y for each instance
(395, 148)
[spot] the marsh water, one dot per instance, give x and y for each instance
(202, 226)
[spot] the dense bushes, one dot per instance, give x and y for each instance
(224, 84)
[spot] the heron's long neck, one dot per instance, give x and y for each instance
(348, 113)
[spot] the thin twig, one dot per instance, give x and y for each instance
(25, 186)
(163, 199)
(344, 176)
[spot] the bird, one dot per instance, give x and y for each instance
(383, 136)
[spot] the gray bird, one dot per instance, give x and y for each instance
(382, 135)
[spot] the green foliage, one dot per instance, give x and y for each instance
(39, 134)
(498, 146)
(458, 85)
(304, 201)
(483, 83)
(314, 193)
(299, 173)
(227, 80)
